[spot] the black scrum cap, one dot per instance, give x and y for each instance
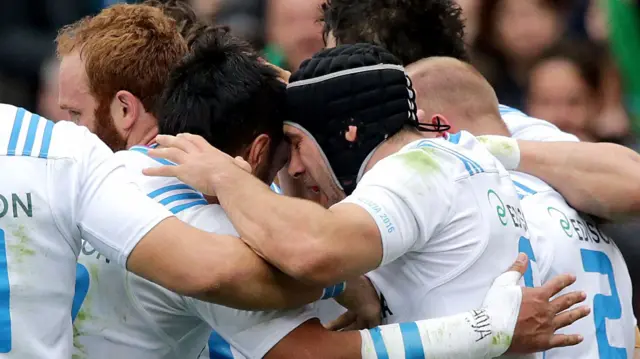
(360, 85)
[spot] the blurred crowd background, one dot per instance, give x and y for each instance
(571, 62)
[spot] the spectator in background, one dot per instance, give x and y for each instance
(595, 21)
(47, 104)
(27, 32)
(245, 18)
(512, 34)
(471, 14)
(293, 32)
(564, 87)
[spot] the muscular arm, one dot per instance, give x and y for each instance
(310, 243)
(130, 228)
(502, 326)
(601, 179)
(215, 268)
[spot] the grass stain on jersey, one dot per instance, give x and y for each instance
(497, 147)
(20, 248)
(421, 160)
(502, 340)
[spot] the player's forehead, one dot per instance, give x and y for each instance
(293, 133)
(73, 81)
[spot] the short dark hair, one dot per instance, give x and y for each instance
(224, 93)
(409, 29)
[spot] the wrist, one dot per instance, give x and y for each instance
(505, 149)
(464, 336)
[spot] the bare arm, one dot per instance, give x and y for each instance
(214, 268)
(481, 333)
(308, 242)
(601, 179)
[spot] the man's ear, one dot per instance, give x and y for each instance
(258, 151)
(439, 121)
(125, 110)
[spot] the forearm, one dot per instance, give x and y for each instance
(215, 268)
(468, 335)
(250, 283)
(601, 179)
(299, 237)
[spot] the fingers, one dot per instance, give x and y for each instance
(569, 317)
(561, 340)
(198, 141)
(511, 276)
(174, 155)
(342, 322)
(284, 74)
(565, 301)
(162, 171)
(520, 265)
(558, 283)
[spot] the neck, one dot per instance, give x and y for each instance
(490, 124)
(391, 146)
(144, 136)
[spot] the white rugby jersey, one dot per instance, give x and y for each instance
(523, 127)
(125, 316)
(59, 184)
(450, 222)
(570, 242)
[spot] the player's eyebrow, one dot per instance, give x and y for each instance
(291, 137)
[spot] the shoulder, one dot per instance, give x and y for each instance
(175, 195)
(461, 153)
(524, 127)
(211, 218)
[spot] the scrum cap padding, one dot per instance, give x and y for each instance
(358, 85)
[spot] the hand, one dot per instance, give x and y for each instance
(363, 303)
(284, 74)
(197, 163)
(539, 317)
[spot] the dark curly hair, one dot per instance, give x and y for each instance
(187, 22)
(410, 29)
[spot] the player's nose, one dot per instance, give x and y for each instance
(295, 167)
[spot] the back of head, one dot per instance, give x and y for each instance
(409, 29)
(224, 93)
(187, 22)
(456, 90)
(125, 47)
(359, 85)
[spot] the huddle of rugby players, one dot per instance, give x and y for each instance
(413, 216)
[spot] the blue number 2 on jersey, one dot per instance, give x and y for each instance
(604, 306)
(5, 309)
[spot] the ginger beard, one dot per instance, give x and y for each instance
(105, 127)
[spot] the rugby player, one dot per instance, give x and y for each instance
(563, 240)
(61, 185)
(601, 179)
(359, 105)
